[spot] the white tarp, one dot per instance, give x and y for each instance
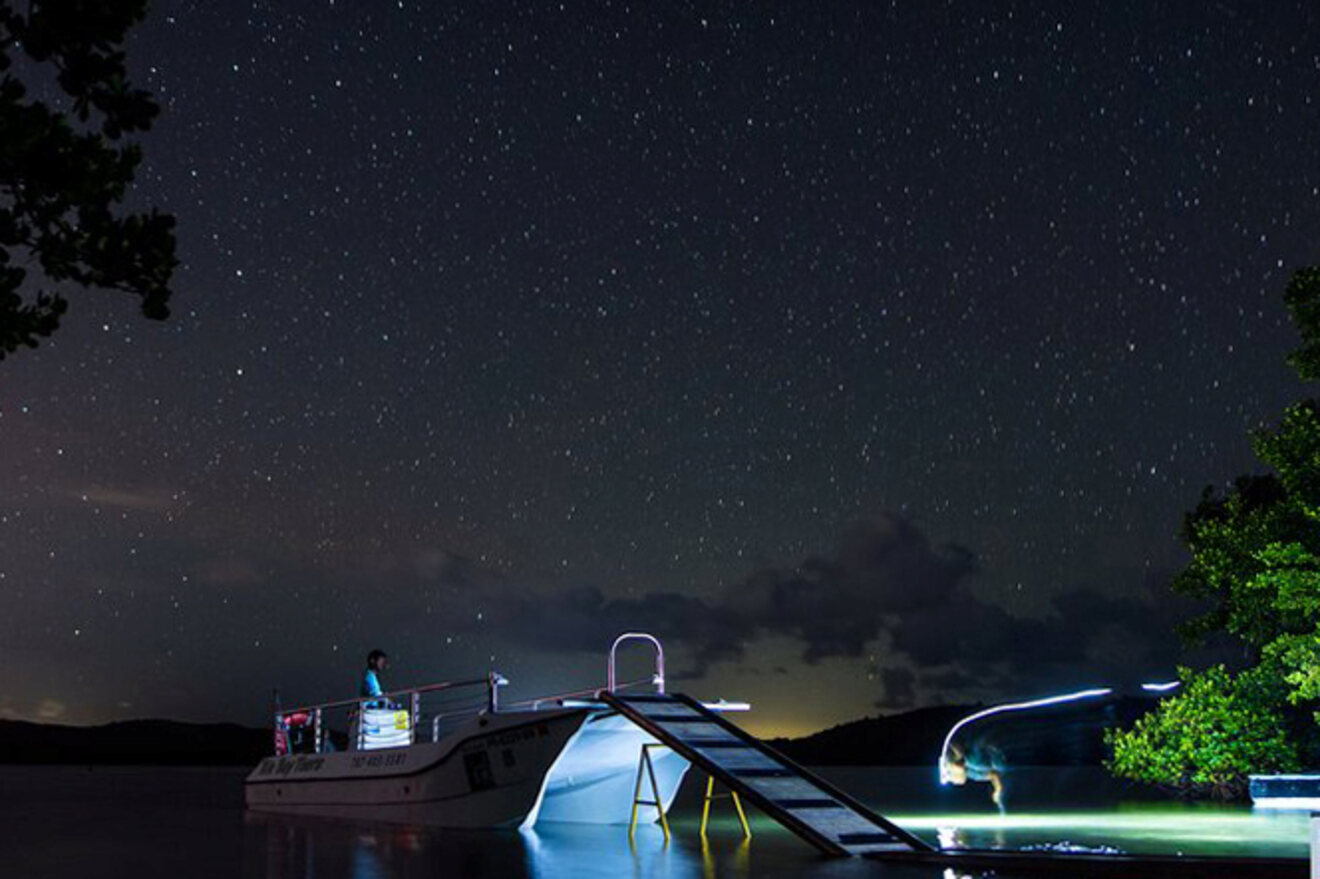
(385, 728)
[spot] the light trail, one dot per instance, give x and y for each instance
(1014, 706)
(1161, 688)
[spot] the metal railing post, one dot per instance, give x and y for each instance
(318, 732)
(416, 715)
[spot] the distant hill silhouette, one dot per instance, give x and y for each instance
(138, 742)
(1064, 735)
(1068, 736)
(912, 738)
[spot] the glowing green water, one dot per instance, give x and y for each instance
(1145, 829)
(1077, 807)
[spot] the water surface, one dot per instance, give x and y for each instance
(81, 823)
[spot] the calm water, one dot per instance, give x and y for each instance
(108, 822)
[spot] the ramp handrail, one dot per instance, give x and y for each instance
(767, 805)
(659, 679)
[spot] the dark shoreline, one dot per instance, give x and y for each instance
(132, 743)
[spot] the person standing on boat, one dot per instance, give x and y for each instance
(377, 662)
(369, 689)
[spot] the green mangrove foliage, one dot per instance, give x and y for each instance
(1256, 559)
(1207, 739)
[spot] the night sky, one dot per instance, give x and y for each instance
(869, 354)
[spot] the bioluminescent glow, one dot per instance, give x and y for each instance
(1169, 824)
(1162, 687)
(1012, 706)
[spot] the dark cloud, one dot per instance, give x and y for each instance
(899, 686)
(883, 570)
(582, 619)
(947, 680)
(835, 606)
(886, 590)
(888, 580)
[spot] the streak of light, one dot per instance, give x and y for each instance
(1012, 706)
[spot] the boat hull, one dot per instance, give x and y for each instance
(488, 773)
(595, 778)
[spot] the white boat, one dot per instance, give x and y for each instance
(450, 755)
(486, 773)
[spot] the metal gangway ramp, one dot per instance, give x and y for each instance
(803, 802)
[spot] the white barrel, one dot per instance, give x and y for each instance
(385, 728)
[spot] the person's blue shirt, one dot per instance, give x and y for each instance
(371, 684)
(371, 687)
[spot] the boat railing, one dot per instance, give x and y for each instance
(404, 710)
(393, 719)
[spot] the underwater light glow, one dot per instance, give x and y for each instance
(1161, 688)
(1168, 823)
(1014, 706)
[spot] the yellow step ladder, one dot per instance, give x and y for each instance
(647, 769)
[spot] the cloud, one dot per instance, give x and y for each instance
(899, 686)
(142, 499)
(833, 606)
(886, 590)
(51, 709)
(885, 581)
(581, 619)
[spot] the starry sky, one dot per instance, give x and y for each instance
(867, 353)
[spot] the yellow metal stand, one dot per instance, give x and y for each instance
(741, 859)
(737, 804)
(645, 763)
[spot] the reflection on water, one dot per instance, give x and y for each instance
(80, 823)
(292, 848)
(579, 850)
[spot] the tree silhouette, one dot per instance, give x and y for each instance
(1255, 556)
(64, 169)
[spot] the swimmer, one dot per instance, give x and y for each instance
(985, 765)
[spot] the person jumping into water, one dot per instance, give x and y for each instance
(984, 764)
